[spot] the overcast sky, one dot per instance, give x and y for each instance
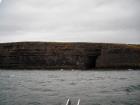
(111, 21)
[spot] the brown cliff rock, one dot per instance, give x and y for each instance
(43, 55)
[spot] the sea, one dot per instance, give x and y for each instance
(46, 87)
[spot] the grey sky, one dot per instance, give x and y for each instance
(116, 21)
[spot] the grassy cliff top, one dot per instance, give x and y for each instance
(72, 44)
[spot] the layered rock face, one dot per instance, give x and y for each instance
(43, 55)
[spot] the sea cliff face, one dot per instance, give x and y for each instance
(43, 55)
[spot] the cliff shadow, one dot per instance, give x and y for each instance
(91, 63)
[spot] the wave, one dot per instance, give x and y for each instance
(132, 88)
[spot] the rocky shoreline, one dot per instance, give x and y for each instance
(55, 55)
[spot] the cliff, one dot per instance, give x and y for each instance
(43, 55)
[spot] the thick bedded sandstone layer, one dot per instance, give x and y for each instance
(43, 55)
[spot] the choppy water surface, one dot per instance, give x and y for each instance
(54, 87)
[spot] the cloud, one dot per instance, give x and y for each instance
(70, 20)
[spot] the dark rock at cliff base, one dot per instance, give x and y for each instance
(46, 55)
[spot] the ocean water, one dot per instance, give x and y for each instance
(41, 87)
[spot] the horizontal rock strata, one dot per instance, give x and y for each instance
(45, 55)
